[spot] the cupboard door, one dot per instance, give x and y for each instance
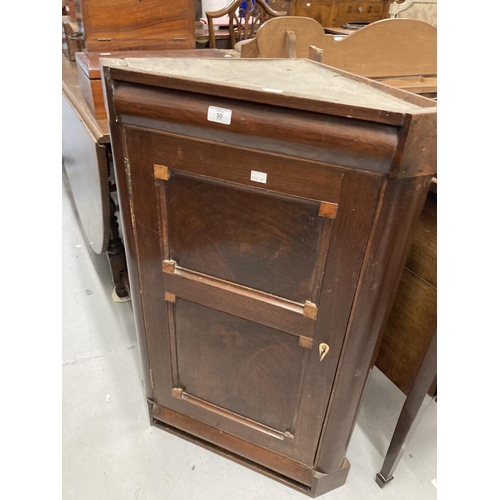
(233, 291)
(243, 268)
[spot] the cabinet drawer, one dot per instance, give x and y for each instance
(358, 12)
(361, 8)
(323, 11)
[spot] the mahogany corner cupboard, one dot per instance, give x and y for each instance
(268, 208)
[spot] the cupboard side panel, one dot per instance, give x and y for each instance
(399, 207)
(149, 255)
(129, 241)
(358, 199)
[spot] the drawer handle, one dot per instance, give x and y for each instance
(360, 9)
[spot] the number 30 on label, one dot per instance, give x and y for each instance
(219, 115)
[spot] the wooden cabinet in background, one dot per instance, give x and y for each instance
(331, 13)
(413, 320)
(266, 226)
(71, 9)
(136, 24)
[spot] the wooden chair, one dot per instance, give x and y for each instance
(245, 18)
(288, 36)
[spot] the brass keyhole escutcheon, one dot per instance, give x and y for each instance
(323, 350)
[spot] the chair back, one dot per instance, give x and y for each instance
(245, 18)
(272, 40)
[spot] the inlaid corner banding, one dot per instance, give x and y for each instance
(168, 266)
(310, 310)
(177, 393)
(306, 342)
(162, 172)
(328, 210)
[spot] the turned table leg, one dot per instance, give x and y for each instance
(116, 255)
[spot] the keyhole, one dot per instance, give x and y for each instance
(323, 350)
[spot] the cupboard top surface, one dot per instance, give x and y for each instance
(285, 77)
(89, 62)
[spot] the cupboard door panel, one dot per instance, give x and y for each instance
(264, 242)
(248, 369)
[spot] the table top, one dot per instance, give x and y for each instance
(218, 21)
(203, 34)
(422, 85)
(72, 90)
(89, 62)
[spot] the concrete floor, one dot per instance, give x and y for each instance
(109, 450)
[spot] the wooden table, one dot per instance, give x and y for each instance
(423, 85)
(202, 35)
(87, 160)
(411, 412)
(221, 33)
(85, 147)
(407, 355)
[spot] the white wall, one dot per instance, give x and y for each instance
(424, 10)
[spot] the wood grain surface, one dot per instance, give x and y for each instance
(89, 70)
(236, 362)
(214, 231)
(84, 149)
(413, 319)
(331, 13)
(128, 24)
(397, 47)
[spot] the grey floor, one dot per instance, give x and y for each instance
(109, 450)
